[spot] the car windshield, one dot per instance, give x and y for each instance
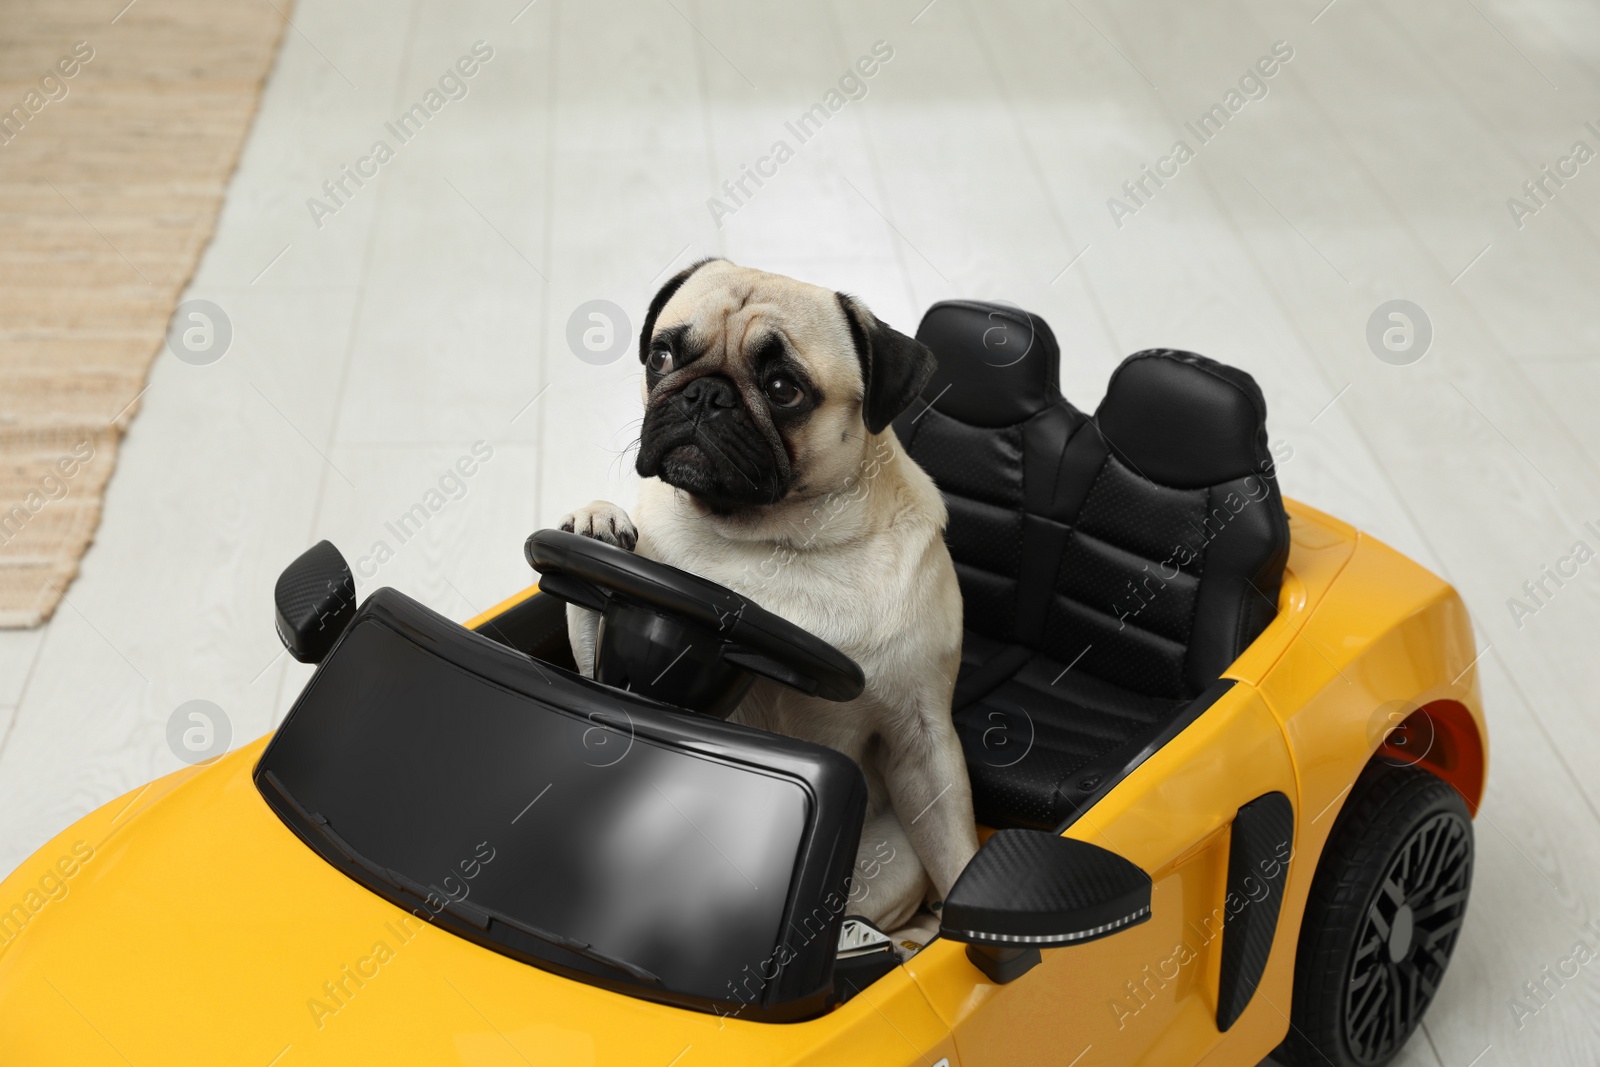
(622, 843)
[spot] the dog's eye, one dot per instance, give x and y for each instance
(783, 392)
(659, 360)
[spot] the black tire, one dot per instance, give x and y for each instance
(1383, 917)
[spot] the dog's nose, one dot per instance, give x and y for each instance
(709, 392)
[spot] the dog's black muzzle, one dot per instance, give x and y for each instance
(703, 440)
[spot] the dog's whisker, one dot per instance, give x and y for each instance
(621, 457)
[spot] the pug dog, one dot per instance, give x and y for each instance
(770, 466)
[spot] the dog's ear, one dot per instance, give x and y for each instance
(894, 367)
(659, 301)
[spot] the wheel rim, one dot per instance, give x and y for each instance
(1406, 937)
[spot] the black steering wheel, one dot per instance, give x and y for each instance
(679, 638)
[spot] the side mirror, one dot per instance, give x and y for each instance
(1029, 889)
(315, 599)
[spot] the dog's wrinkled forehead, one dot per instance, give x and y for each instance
(731, 312)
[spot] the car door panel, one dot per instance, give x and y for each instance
(1147, 994)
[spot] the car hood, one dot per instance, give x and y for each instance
(185, 923)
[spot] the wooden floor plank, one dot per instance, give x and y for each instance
(629, 166)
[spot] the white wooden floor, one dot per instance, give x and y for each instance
(431, 312)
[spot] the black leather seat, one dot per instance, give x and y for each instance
(1112, 567)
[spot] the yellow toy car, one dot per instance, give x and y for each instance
(1224, 753)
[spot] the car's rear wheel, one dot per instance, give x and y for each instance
(1385, 910)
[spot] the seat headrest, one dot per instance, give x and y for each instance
(998, 364)
(1185, 421)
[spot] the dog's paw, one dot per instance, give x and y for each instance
(603, 521)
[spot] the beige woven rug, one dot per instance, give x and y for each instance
(119, 129)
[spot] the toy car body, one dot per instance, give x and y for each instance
(217, 915)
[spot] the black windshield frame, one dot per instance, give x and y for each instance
(794, 981)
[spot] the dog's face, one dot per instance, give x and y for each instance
(760, 389)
